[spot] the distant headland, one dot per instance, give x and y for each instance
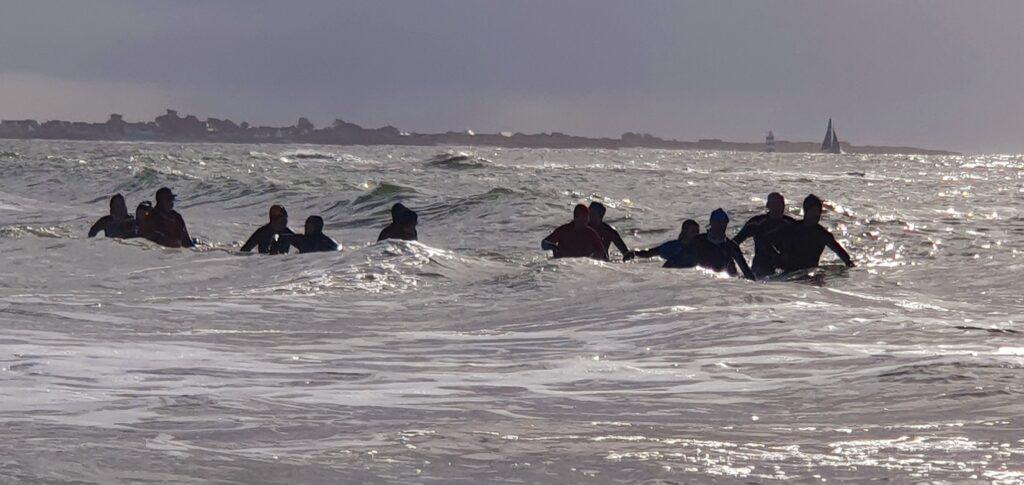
(190, 129)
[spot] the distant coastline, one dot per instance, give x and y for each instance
(190, 129)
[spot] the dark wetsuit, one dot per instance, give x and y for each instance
(167, 228)
(722, 256)
(124, 228)
(758, 227)
(573, 242)
(397, 231)
(800, 245)
(676, 253)
(315, 243)
(610, 236)
(265, 242)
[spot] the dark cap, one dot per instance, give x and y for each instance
(719, 215)
(165, 192)
(598, 209)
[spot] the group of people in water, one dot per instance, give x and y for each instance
(165, 226)
(780, 241)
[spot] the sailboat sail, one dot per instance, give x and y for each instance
(831, 143)
(827, 144)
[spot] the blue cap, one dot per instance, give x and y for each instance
(719, 215)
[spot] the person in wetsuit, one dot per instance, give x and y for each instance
(164, 225)
(314, 240)
(799, 245)
(608, 233)
(403, 224)
(267, 239)
(141, 213)
(717, 252)
(679, 252)
(576, 239)
(118, 223)
(765, 263)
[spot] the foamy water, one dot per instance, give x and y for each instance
(470, 356)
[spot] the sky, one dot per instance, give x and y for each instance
(928, 73)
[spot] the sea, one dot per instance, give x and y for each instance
(471, 356)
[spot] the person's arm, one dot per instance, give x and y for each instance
(100, 225)
(737, 256)
(620, 244)
(838, 249)
(649, 253)
(186, 240)
(550, 243)
(745, 232)
(251, 242)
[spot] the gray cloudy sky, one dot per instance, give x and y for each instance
(936, 73)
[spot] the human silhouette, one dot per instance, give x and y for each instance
(117, 224)
(576, 239)
(141, 214)
(313, 240)
(799, 245)
(403, 224)
(679, 252)
(765, 262)
(608, 233)
(717, 252)
(266, 239)
(164, 225)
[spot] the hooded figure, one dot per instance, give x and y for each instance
(403, 224)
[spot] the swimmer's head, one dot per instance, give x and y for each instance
(278, 216)
(118, 206)
(689, 230)
(812, 209)
(776, 204)
(581, 214)
(597, 211)
(165, 198)
(314, 225)
(719, 221)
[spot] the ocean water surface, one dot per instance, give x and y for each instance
(472, 357)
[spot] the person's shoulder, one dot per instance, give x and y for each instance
(756, 220)
(105, 219)
(788, 218)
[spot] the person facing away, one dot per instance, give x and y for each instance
(141, 214)
(799, 245)
(118, 223)
(608, 233)
(403, 224)
(758, 227)
(314, 240)
(267, 239)
(164, 225)
(717, 252)
(576, 239)
(679, 252)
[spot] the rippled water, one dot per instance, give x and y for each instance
(471, 356)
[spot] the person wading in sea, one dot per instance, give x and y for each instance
(765, 263)
(799, 245)
(118, 223)
(576, 239)
(164, 225)
(717, 252)
(314, 240)
(403, 224)
(608, 233)
(267, 239)
(679, 252)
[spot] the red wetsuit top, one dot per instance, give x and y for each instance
(573, 242)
